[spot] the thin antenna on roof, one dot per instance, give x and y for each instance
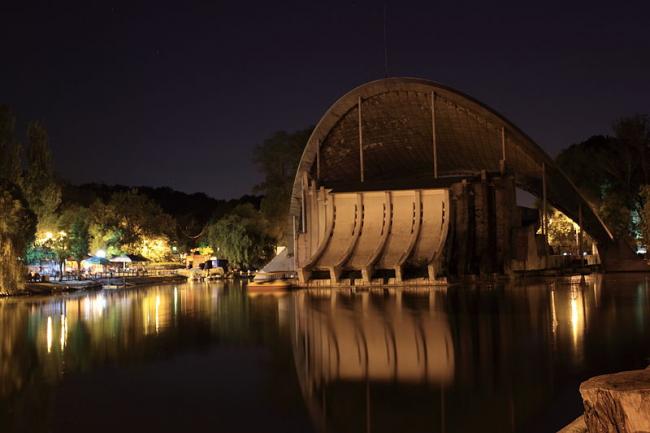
(385, 41)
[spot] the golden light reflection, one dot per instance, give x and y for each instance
(86, 308)
(49, 334)
(94, 306)
(110, 323)
(145, 315)
(575, 319)
(175, 300)
(157, 313)
(568, 316)
(553, 314)
(64, 331)
(99, 303)
(157, 310)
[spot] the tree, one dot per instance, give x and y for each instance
(277, 158)
(128, 220)
(17, 228)
(645, 213)
(58, 245)
(241, 238)
(75, 222)
(40, 186)
(611, 170)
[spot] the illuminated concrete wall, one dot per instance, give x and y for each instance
(371, 230)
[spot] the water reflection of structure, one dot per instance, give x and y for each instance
(341, 338)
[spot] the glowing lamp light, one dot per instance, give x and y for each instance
(48, 235)
(100, 254)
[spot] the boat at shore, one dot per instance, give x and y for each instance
(276, 277)
(268, 286)
(265, 282)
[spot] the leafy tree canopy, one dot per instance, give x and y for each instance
(277, 158)
(17, 228)
(241, 238)
(129, 216)
(611, 170)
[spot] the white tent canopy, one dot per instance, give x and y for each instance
(121, 259)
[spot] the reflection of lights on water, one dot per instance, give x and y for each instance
(571, 320)
(175, 300)
(49, 334)
(94, 306)
(86, 308)
(553, 314)
(99, 304)
(145, 315)
(64, 331)
(574, 318)
(157, 316)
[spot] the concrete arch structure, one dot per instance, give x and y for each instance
(372, 186)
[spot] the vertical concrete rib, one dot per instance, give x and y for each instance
(304, 271)
(415, 232)
(434, 261)
(367, 271)
(335, 269)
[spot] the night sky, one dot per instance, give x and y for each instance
(178, 95)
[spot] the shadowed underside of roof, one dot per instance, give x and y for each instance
(397, 122)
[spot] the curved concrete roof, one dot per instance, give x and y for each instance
(398, 146)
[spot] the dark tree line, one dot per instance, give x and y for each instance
(613, 172)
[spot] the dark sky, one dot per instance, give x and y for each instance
(179, 94)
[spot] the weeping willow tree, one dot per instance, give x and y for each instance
(17, 228)
(242, 238)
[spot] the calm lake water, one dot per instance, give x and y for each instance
(212, 358)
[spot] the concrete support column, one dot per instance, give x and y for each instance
(482, 224)
(431, 272)
(461, 228)
(504, 202)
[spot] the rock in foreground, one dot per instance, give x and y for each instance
(617, 403)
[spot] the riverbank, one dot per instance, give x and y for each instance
(55, 287)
